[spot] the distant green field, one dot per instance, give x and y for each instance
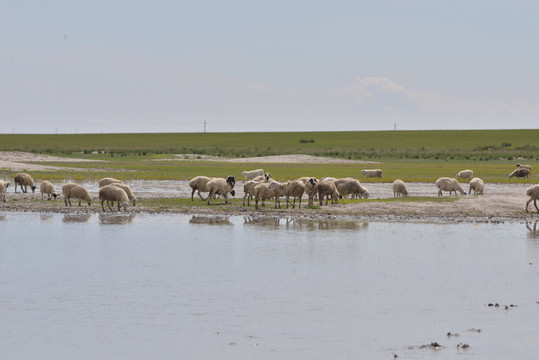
(475, 145)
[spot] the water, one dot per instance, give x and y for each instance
(192, 287)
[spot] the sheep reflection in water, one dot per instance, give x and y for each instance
(533, 231)
(116, 219)
(76, 218)
(46, 217)
(211, 220)
(302, 224)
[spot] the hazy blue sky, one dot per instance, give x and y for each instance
(168, 66)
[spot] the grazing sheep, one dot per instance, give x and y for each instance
(529, 167)
(113, 193)
(250, 175)
(219, 186)
(291, 188)
(520, 173)
(108, 181)
(75, 191)
(199, 184)
(128, 191)
(533, 193)
(477, 186)
(265, 191)
(327, 189)
(399, 188)
(448, 184)
(465, 174)
(311, 189)
(3, 190)
(46, 187)
(23, 179)
(372, 173)
(352, 187)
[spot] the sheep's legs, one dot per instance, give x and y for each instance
(534, 203)
(102, 207)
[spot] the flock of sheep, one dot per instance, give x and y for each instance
(260, 187)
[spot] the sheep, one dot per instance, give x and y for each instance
(219, 186)
(265, 191)
(200, 184)
(529, 167)
(327, 189)
(351, 186)
(399, 188)
(520, 173)
(291, 188)
(311, 189)
(477, 186)
(128, 191)
(328, 178)
(113, 193)
(533, 193)
(465, 174)
(76, 191)
(372, 173)
(3, 190)
(248, 188)
(46, 187)
(448, 184)
(107, 181)
(250, 175)
(23, 179)
(263, 178)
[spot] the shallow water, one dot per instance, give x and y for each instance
(120, 286)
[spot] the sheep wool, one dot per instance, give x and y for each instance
(75, 191)
(3, 190)
(533, 193)
(113, 193)
(48, 188)
(24, 180)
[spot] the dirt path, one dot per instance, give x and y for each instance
(18, 161)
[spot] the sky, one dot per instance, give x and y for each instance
(257, 66)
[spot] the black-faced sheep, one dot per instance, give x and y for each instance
(24, 180)
(520, 173)
(372, 173)
(250, 175)
(107, 181)
(399, 188)
(529, 167)
(219, 186)
(3, 190)
(311, 189)
(448, 184)
(113, 193)
(75, 191)
(352, 187)
(533, 193)
(477, 186)
(46, 187)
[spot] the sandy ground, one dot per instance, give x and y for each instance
(294, 159)
(16, 161)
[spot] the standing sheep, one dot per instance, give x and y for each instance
(3, 190)
(75, 191)
(465, 174)
(477, 186)
(533, 193)
(529, 167)
(352, 187)
(128, 191)
(311, 189)
(250, 175)
(23, 179)
(372, 173)
(113, 193)
(520, 173)
(219, 186)
(399, 188)
(327, 189)
(199, 184)
(448, 184)
(107, 181)
(46, 187)
(265, 191)
(291, 188)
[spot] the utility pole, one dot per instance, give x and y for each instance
(204, 126)
(395, 127)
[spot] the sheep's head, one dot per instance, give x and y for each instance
(267, 176)
(55, 195)
(312, 181)
(233, 193)
(34, 189)
(134, 201)
(231, 180)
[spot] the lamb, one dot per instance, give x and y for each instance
(265, 191)
(533, 193)
(107, 181)
(311, 189)
(372, 173)
(448, 184)
(3, 190)
(76, 191)
(200, 184)
(113, 193)
(520, 173)
(291, 188)
(399, 188)
(351, 186)
(219, 186)
(327, 189)
(529, 167)
(250, 175)
(128, 191)
(46, 187)
(465, 174)
(23, 179)
(477, 186)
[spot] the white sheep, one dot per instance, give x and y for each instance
(327, 189)
(248, 192)
(46, 187)
(107, 181)
(75, 191)
(477, 186)
(199, 184)
(128, 191)
(311, 189)
(113, 193)
(529, 167)
(533, 193)
(448, 184)
(263, 178)
(465, 174)
(250, 175)
(3, 190)
(520, 173)
(399, 188)
(352, 187)
(265, 191)
(372, 173)
(219, 186)
(23, 179)
(291, 188)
